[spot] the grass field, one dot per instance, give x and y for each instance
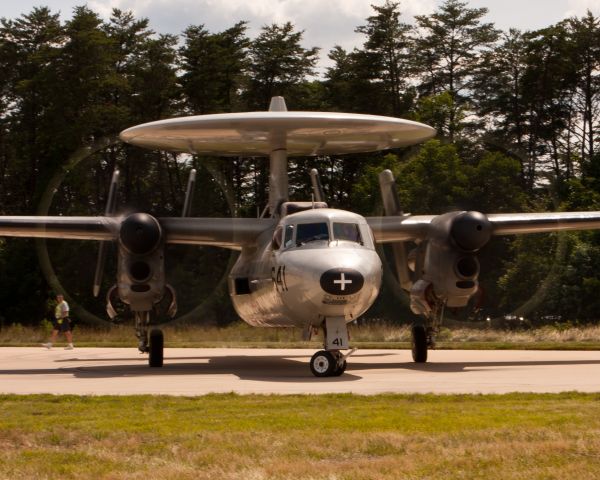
(374, 335)
(518, 436)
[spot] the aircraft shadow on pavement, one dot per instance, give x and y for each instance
(268, 368)
(260, 368)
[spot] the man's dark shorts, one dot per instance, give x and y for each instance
(62, 325)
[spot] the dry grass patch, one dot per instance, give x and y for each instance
(372, 335)
(301, 437)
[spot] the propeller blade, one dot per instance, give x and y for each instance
(99, 268)
(389, 194)
(111, 206)
(189, 194)
(391, 205)
(317, 188)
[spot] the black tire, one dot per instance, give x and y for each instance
(419, 344)
(156, 347)
(340, 369)
(323, 364)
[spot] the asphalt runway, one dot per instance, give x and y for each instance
(195, 371)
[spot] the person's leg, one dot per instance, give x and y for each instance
(69, 335)
(52, 339)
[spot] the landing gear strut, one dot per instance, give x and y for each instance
(331, 362)
(151, 343)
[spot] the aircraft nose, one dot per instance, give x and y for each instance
(342, 281)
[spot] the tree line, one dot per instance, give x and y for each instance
(516, 112)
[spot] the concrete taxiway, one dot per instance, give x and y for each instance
(194, 371)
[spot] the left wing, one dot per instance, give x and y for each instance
(233, 233)
(410, 228)
(73, 228)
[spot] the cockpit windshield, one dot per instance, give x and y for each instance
(347, 231)
(309, 232)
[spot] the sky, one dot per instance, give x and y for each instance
(325, 22)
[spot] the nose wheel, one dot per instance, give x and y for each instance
(327, 364)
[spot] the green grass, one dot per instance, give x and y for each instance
(517, 436)
(374, 335)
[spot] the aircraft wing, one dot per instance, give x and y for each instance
(73, 228)
(231, 233)
(518, 223)
(399, 228)
(407, 228)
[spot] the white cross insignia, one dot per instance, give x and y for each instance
(343, 282)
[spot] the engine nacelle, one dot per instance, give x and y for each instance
(446, 263)
(140, 271)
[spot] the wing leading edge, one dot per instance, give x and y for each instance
(233, 233)
(72, 228)
(407, 228)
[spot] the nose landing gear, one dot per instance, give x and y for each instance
(331, 362)
(328, 363)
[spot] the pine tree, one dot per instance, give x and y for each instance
(449, 50)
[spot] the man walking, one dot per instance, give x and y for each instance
(61, 323)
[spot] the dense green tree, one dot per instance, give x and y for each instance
(278, 64)
(548, 86)
(351, 83)
(213, 66)
(449, 50)
(500, 94)
(388, 48)
(30, 48)
(585, 47)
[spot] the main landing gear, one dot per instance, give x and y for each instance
(149, 342)
(419, 343)
(423, 335)
(331, 362)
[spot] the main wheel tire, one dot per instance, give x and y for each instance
(419, 344)
(323, 364)
(340, 368)
(156, 347)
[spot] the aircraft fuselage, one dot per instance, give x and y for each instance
(313, 265)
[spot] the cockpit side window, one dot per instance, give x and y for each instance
(309, 232)
(288, 239)
(347, 231)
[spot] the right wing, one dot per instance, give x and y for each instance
(409, 228)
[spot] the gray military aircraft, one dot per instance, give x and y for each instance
(301, 264)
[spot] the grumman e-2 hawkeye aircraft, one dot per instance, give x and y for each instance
(301, 264)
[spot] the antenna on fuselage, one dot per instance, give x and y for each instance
(278, 105)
